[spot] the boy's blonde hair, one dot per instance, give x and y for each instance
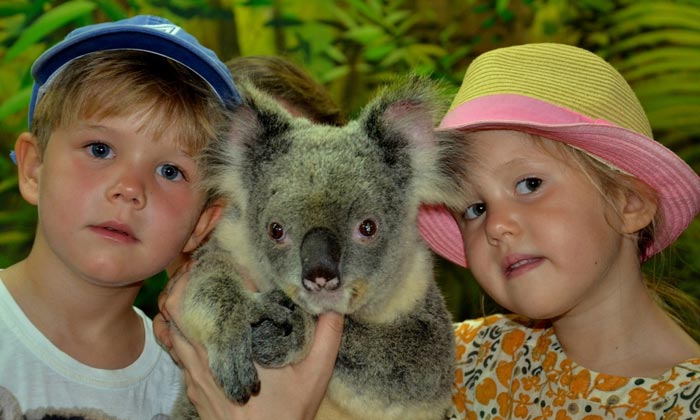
(169, 96)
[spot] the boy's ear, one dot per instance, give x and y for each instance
(207, 220)
(28, 166)
(637, 212)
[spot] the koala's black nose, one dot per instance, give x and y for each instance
(320, 258)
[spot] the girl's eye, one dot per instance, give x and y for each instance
(474, 211)
(100, 150)
(528, 185)
(170, 172)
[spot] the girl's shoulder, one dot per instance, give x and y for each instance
(501, 355)
(493, 328)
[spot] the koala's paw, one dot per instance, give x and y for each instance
(284, 338)
(231, 363)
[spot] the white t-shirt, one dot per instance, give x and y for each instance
(37, 377)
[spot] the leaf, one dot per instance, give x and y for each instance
(112, 9)
(47, 23)
(364, 34)
(258, 3)
(343, 17)
(335, 54)
(639, 12)
(335, 73)
(13, 237)
(394, 57)
(9, 183)
(15, 103)
(12, 8)
(364, 9)
(650, 39)
(645, 64)
(397, 17)
(378, 52)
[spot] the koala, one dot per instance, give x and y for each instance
(322, 218)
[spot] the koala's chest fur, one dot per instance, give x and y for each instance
(326, 216)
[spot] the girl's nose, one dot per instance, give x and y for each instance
(501, 224)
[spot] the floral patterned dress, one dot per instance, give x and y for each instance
(509, 369)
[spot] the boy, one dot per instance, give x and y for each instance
(118, 115)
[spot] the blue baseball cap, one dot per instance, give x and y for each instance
(143, 33)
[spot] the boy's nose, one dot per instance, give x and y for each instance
(129, 189)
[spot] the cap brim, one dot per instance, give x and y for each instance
(136, 37)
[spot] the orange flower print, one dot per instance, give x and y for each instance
(646, 415)
(608, 382)
(543, 343)
(465, 333)
(460, 349)
(662, 388)
(486, 391)
(504, 371)
(483, 352)
(550, 361)
(560, 399)
(562, 415)
(459, 400)
(639, 397)
(491, 319)
(521, 406)
(503, 403)
(459, 378)
(579, 384)
(546, 414)
(512, 341)
(530, 382)
(673, 413)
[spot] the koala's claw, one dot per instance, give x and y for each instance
(231, 362)
(277, 340)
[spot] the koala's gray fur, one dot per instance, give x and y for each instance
(343, 201)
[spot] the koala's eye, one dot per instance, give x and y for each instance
(276, 231)
(368, 228)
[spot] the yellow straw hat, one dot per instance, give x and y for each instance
(571, 95)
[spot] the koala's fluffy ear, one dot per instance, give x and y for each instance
(259, 118)
(401, 120)
(407, 108)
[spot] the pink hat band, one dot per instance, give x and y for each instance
(677, 185)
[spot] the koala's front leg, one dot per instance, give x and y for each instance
(278, 344)
(218, 312)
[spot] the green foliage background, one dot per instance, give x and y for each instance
(353, 46)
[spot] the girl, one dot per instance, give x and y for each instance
(565, 194)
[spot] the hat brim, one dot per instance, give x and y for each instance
(677, 185)
(130, 36)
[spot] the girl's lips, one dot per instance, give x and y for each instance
(516, 266)
(115, 231)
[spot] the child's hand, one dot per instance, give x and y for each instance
(281, 395)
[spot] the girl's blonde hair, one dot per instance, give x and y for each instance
(611, 182)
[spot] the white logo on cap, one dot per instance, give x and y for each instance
(168, 29)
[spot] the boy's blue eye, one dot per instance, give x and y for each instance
(474, 211)
(100, 150)
(528, 185)
(170, 172)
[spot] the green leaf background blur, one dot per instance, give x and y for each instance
(353, 46)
